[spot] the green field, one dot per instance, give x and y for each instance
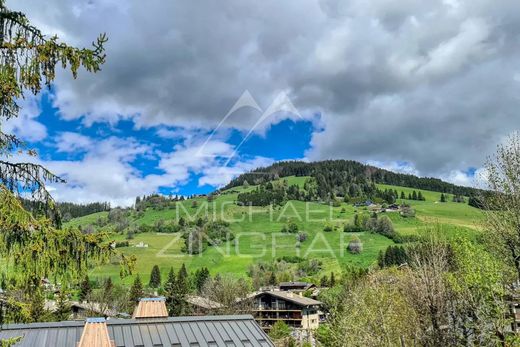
(258, 237)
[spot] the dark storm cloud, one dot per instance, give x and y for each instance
(432, 83)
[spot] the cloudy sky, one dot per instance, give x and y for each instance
(195, 92)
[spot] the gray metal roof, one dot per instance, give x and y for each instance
(210, 331)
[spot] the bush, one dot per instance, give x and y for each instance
(351, 228)
(293, 259)
(328, 228)
(291, 228)
(130, 235)
(355, 246)
(407, 212)
(301, 237)
(122, 244)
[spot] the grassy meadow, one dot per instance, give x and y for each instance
(258, 234)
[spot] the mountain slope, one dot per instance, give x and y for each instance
(346, 178)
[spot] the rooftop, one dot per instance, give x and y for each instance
(151, 308)
(295, 298)
(240, 330)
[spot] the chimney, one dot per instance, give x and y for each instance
(151, 308)
(95, 334)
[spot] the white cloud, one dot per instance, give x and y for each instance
(73, 142)
(401, 167)
(219, 176)
(108, 169)
(25, 126)
(431, 83)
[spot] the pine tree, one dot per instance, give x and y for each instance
(169, 292)
(443, 197)
(180, 290)
(409, 196)
(201, 278)
(37, 305)
(108, 286)
(85, 289)
(155, 277)
(183, 273)
(29, 60)
(63, 308)
(420, 196)
(136, 291)
(403, 197)
(414, 195)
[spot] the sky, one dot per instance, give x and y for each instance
(194, 93)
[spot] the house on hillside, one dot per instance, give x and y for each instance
(202, 306)
(82, 310)
(294, 309)
(150, 327)
(296, 286)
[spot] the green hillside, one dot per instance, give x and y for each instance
(257, 231)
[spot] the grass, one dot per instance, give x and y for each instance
(258, 236)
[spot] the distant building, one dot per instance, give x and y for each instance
(149, 328)
(294, 309)
(296, 286)
(202, 306)
(82, 310)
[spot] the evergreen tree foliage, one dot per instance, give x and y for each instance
(202, 276)
(181, 288)
(443, 198)
(155, 277)
(339, 177)
(136, 291)
(28, 62)
(169, 292)
(85, 289)
(63, 307)
(37, 310)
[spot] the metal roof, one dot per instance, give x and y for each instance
(210, 331)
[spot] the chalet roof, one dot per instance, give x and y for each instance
(296, 284)
(174, 331)
(95, 334)
(294, 298)
(151, 308)
(202, 302)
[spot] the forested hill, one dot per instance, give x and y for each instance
(346, 178)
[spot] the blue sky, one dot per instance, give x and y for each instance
(423, 87)
(146, 152)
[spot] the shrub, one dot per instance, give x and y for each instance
(301, 237)
(351, 228)
(130, 235)
(290, 228)
(327, 228)
(355, 246)
(407, 212)
(122, 244)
